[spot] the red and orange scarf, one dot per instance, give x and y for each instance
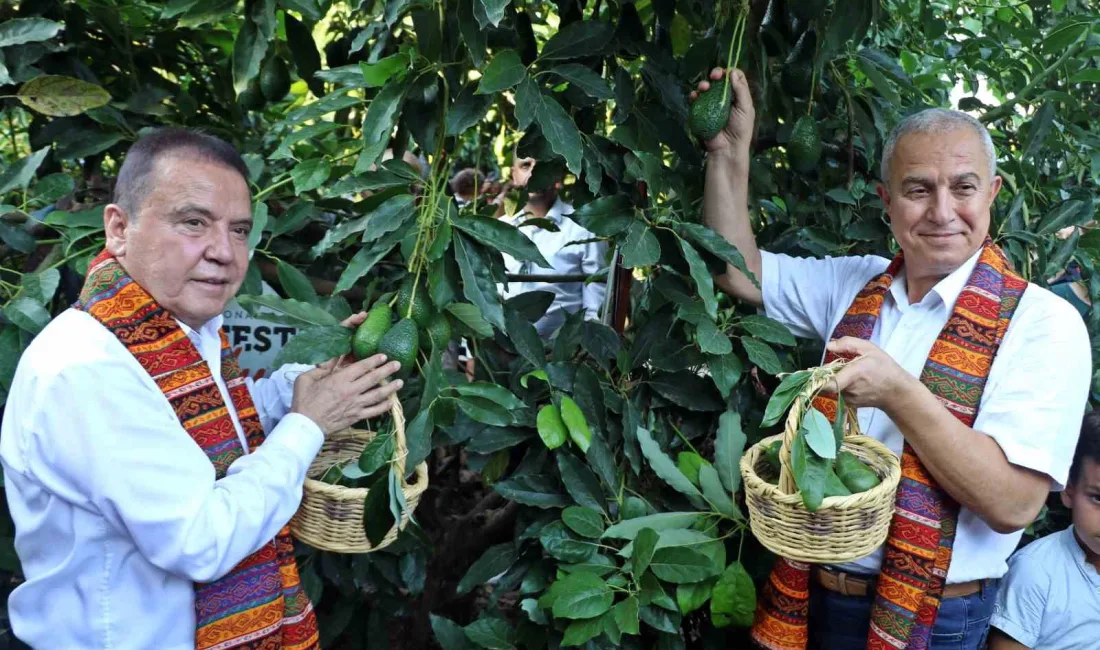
(918, 548)
(260, 603)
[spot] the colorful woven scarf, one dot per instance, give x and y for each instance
(922, 532)
(260, 603)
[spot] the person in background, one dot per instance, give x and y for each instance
(561, 249)
(1050, 598)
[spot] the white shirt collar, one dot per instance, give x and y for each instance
(947, 289)
(209, 328)
(555, 214)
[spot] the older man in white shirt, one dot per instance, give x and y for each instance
(569, 250)
(938, 184)
(133, 508)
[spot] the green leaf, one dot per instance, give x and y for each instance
(378, 517)
(818, 432)
(718, 246)
(494, 10)
(483, 410)
(641, 247)
(493, 562)
(561, 132)
(689, 462)
(551, 427)
(259, 222)
(680, 565)
(1039, 128)
(252, 40)
(1067, 213)
(578, 40)
(585, 522)
(419, 438)
(497, 394)
(307, 8)
(716, 494)
(838, 425)
(377, 453)
(295, 283)
(584, 79)
(878, 79)
(576, 424)
(688, 390)
(27, 30)
(767, 329)
(626, 616)
(493, 439)
(1087, 75)
(729, 445)
(532, 490)
(491, 633)
(503, 72)
(561, 544)
(25, 313)
(762, 355)
(580, 596)
(41, 286)
(449, 634)
(725, 370)
(381, 117)
(528, 101)
(310, 175)
(467, 110)
(711, 340)
(19, 174)
(645, 545)
(810, 473)
(691, 597)
(503, 237)
(784, 396)
(630, 528)
(288, 312)
(18, 238)
(315, 345)
(581, 632)
(477, 282)
(733, 600)
(606, 216)
(303, 49)
(367, 257)
(702, 278)
(469, 316)
(293, 219)
(664, 468)
(580, 482)
(475, 38)
(1065, 35)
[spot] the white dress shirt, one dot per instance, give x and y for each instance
(564, 257)
(116, 509)
(1034, 398)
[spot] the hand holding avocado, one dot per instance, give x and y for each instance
(724, 123)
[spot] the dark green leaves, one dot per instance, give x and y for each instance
(1039, 128)
(491, 633)
(581, 483)
(645, 544)
(585, 522)
(717, 245)
(810, 472)
(493, 562)
(503, 72)
(681, 564)
(577, 40)
(784, 396)
(560, 131)
(477, 281)
(528, 102)
(668, 472)
(448, 633)
(585, 79)
(641, 247)
(703, 282)
(733, 601)
(728, 447)
(468, 109)
(762, 355)
(469, 316)
(503, 237)
(252, 39)
(288, 312)
(378, 518)
(580, 595)
(379, 121)
(27, 314)
(316, 345)
(630, 528)
(27, 30)
(688, 390)
(532, 490)
(472, 34)
(493, 10)
(767, 329)
(606, 216)
(19, 174)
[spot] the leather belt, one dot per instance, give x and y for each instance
(850, 584)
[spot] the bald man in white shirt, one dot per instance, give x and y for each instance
(118, 511)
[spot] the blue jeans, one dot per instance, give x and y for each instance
(839, 622)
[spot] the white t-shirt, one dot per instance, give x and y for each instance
(117, 511)
(1050, 599)
(1034, 398)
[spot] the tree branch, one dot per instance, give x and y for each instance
(1005, 109)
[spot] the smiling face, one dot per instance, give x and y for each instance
(1083, 496)
(938, 198)
(188, 246)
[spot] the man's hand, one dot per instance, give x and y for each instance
(871, 380)
(737, 134)
(336, 397)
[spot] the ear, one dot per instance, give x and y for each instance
(117, 227)
(995, 187)
(1067, 496)
(883, 194)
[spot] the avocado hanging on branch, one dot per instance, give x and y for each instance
(711, 111)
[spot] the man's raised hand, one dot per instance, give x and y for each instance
(736, 136)
(335, 397)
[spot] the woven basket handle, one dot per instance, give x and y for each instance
(401, 450)
(801, 405)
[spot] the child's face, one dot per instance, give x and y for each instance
(1084, 498)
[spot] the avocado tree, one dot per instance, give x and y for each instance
(583, 489)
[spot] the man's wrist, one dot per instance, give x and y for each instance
(735, 158)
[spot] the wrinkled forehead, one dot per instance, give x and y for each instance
(942, 154)
(178, 180)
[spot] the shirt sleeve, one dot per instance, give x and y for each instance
(592, 261)
(1038, 387)
(274, 395)
(145, 474)
(1021, 600)
(806, 293)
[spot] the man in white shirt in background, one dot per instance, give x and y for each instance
(119, 515)
(939, 183)
(565, 256)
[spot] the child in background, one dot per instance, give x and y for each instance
(1050, 598)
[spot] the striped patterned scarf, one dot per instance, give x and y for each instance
(260, 603)
(918, 548)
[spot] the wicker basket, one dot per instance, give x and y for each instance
(843, 528)
(330, 517)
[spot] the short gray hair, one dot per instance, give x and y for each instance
(937, 120)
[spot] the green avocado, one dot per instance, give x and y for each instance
(421, 311)
(274, 79)
(711, 111)
(437, 334)
(252, 97)
(401, 344)
(856, 476)
(804, 147)
(834, 487)
(370, 332)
